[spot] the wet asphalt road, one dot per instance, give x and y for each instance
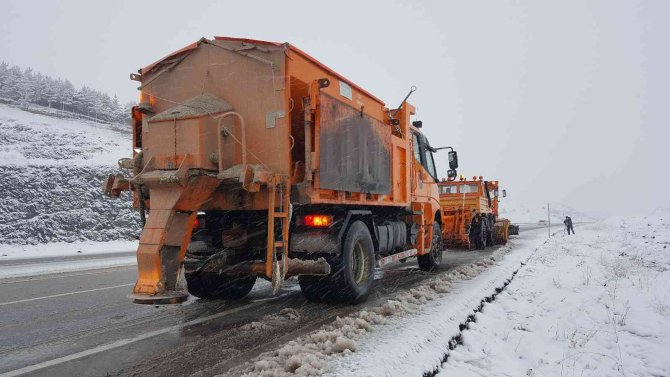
(82, 323)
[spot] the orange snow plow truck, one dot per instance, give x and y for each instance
(251, 159)
(470, 213)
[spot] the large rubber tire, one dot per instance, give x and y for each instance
(210, 285)
(481, 239)
(353, 271)
(432, 260)
(489, 238)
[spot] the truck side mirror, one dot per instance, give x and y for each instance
(504, 193)
(453, 160)
(451, 174)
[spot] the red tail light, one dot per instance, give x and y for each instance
(198, 223)
(318, 221)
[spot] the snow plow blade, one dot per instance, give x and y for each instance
(501, 231)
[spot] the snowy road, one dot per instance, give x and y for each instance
(82, 323)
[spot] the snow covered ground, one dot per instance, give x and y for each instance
(52, 171)
(593, 304)
(29, 139)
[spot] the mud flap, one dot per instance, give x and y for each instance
(278, 276)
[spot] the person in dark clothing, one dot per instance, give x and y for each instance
(568, 224)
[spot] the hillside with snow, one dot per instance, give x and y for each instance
(52, 170)
(520, 212)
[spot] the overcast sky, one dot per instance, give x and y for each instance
(562, 101)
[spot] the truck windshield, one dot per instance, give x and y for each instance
(448, 189)
(469, 188)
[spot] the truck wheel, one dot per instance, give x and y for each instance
(352, 273)
(432, 260)
(481, 239)
(210, 285)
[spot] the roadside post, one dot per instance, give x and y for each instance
(548, 221)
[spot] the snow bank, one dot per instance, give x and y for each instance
(593, 304)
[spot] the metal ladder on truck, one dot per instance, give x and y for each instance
(274, 268)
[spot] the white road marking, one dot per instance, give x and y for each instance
(125, 342)
(65, 294)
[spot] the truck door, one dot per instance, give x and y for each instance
(424, 156)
